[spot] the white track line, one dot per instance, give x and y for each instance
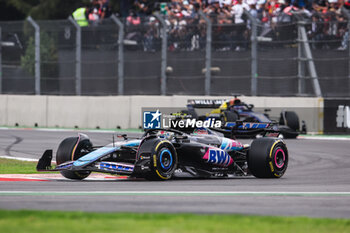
(18, 158)
(324, 138)
(181, 193)
(22, 159)
(132, 131)
(74, 130)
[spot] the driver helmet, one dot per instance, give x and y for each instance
(166, 135)
(237, 101)
(234, 102)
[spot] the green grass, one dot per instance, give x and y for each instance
(55, 221)
(12, 166)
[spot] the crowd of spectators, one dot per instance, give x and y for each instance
(231, 26)
(98, 10)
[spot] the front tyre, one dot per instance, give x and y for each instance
(71, 149)
(268, 158)
(163, 161)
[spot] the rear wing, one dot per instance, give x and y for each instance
(205, 103)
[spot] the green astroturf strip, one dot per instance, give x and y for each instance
(10, 166)
(57, 221)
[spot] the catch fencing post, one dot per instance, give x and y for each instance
(348, 15)
(163, 84)
(308, 54)
(207, 83)
(120, 54)
(346, 12)
(77, 56)
(310, 61)
(348, 42)
(37, 54)
(0, 62)
(301, 60)
(254, 54)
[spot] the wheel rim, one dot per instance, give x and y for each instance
(280, 158)
(166, 159)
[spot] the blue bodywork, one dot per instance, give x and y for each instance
(99, 153)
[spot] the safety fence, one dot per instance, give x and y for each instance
(292, 55)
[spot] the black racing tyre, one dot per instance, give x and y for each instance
(229, 116)
(290, 119)
(163, 159)
(191, 113)
(268, 158)
(70, 149)
(288, 132)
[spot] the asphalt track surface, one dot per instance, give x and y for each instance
(316, 184)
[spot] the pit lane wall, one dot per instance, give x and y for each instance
(109, 112)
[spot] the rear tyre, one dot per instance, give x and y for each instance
(191, 113)
(290, 119)
(268, 158)
(70, 149)
(228, 116)
(163, 159)
(288, 132)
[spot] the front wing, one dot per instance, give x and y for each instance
(44, 165)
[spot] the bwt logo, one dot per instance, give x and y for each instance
(219, 157)
(152, 120)
(343, 117)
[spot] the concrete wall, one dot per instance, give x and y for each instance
(125, 111)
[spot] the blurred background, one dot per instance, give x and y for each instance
(185, 47)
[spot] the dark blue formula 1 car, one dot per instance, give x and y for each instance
(232, 112)
(161, 154)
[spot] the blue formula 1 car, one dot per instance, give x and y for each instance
(232, 112)
(161, 154)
